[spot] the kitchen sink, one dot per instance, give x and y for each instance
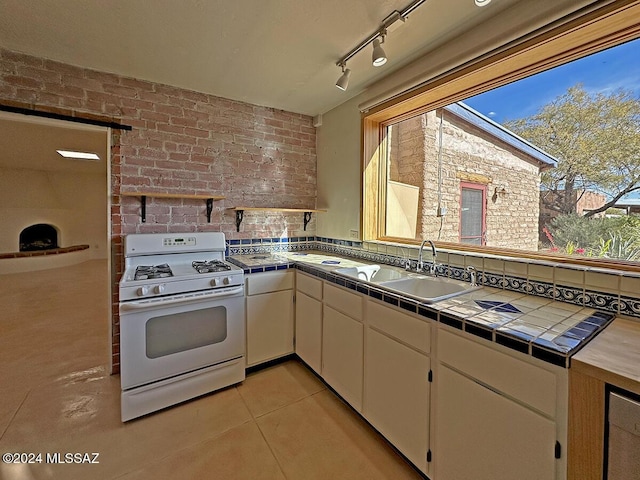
(428, 289)
(373, 273)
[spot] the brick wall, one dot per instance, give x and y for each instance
(468, 155)
(181, 142)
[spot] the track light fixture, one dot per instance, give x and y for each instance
(378, 58)
(377, 38)
(343, 81)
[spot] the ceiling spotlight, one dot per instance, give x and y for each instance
(378, 58)
(482, 3)
(343, 81)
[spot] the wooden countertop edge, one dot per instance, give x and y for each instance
(613, 356)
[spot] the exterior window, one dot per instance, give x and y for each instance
(436, 168)
(472, 213)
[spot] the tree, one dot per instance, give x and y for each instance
(596, 140)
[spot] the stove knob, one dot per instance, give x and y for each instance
(158, 288)
(142, 291)
(214, 282)
(227, 280)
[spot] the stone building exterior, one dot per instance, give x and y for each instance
(472, 153)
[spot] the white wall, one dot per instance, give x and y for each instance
(339, 158)
(75, 203)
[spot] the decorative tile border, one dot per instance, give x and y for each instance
(364, 250)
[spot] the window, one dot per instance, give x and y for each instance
(435, 168)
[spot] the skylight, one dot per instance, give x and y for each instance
(78, 155)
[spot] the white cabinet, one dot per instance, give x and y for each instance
(309, 320)
(343, 343)
(490, 420)
(482, 435)
(269, 312)
(458, 407)
(397, 384)
(396, 399)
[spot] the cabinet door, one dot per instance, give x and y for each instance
(269, 326)
(309, 330)
(396, 398)
(342, 350)
(482, 435)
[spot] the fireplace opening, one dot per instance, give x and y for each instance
(38, 237)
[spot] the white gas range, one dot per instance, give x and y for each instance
(182, 330)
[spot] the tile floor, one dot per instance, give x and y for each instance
(56, 395)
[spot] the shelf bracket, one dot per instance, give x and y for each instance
(143, 208)
(239, 217)
(209, 209)
(307, 219)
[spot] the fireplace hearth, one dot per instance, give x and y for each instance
(38, 237)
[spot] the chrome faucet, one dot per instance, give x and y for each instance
(434, 254)
(472, 275)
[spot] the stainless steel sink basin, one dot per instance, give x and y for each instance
(429, 289)
(373, 273)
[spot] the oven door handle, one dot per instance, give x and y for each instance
(183, 298)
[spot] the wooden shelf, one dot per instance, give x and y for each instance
(170, 195)
(143, 200)
(305, 211)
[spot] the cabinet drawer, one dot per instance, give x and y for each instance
(309, 285)
(399, 325)
(343, 301)
(269, 282)
(528, 383)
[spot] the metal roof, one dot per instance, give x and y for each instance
(496, 130)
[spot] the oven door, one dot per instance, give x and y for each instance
(164, 337)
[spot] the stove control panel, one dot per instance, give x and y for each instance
(220, 281)
(179, 241)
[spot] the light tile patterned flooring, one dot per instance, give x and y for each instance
(56, 395)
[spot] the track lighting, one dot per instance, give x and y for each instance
(378, 57)
(343, 81)
(377, 38)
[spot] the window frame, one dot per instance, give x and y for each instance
(597, 30)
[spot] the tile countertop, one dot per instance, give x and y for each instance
(538, 326)
(613, 356)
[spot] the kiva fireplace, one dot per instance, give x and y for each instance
(38, 237)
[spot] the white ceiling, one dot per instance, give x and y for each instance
(276, 53)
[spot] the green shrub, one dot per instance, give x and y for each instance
(612, 237)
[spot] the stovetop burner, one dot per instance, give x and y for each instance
(209, 266)
(144, 272)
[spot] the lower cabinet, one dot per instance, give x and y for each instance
(269, 313)
(482, 435)
(497, 417)
(456, 406)
(309, 330)
(342, 355)
(396, 398)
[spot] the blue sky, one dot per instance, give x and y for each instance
(618, 67)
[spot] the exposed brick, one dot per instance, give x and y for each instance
(182, 142)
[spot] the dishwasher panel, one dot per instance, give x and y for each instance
(623, 457)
